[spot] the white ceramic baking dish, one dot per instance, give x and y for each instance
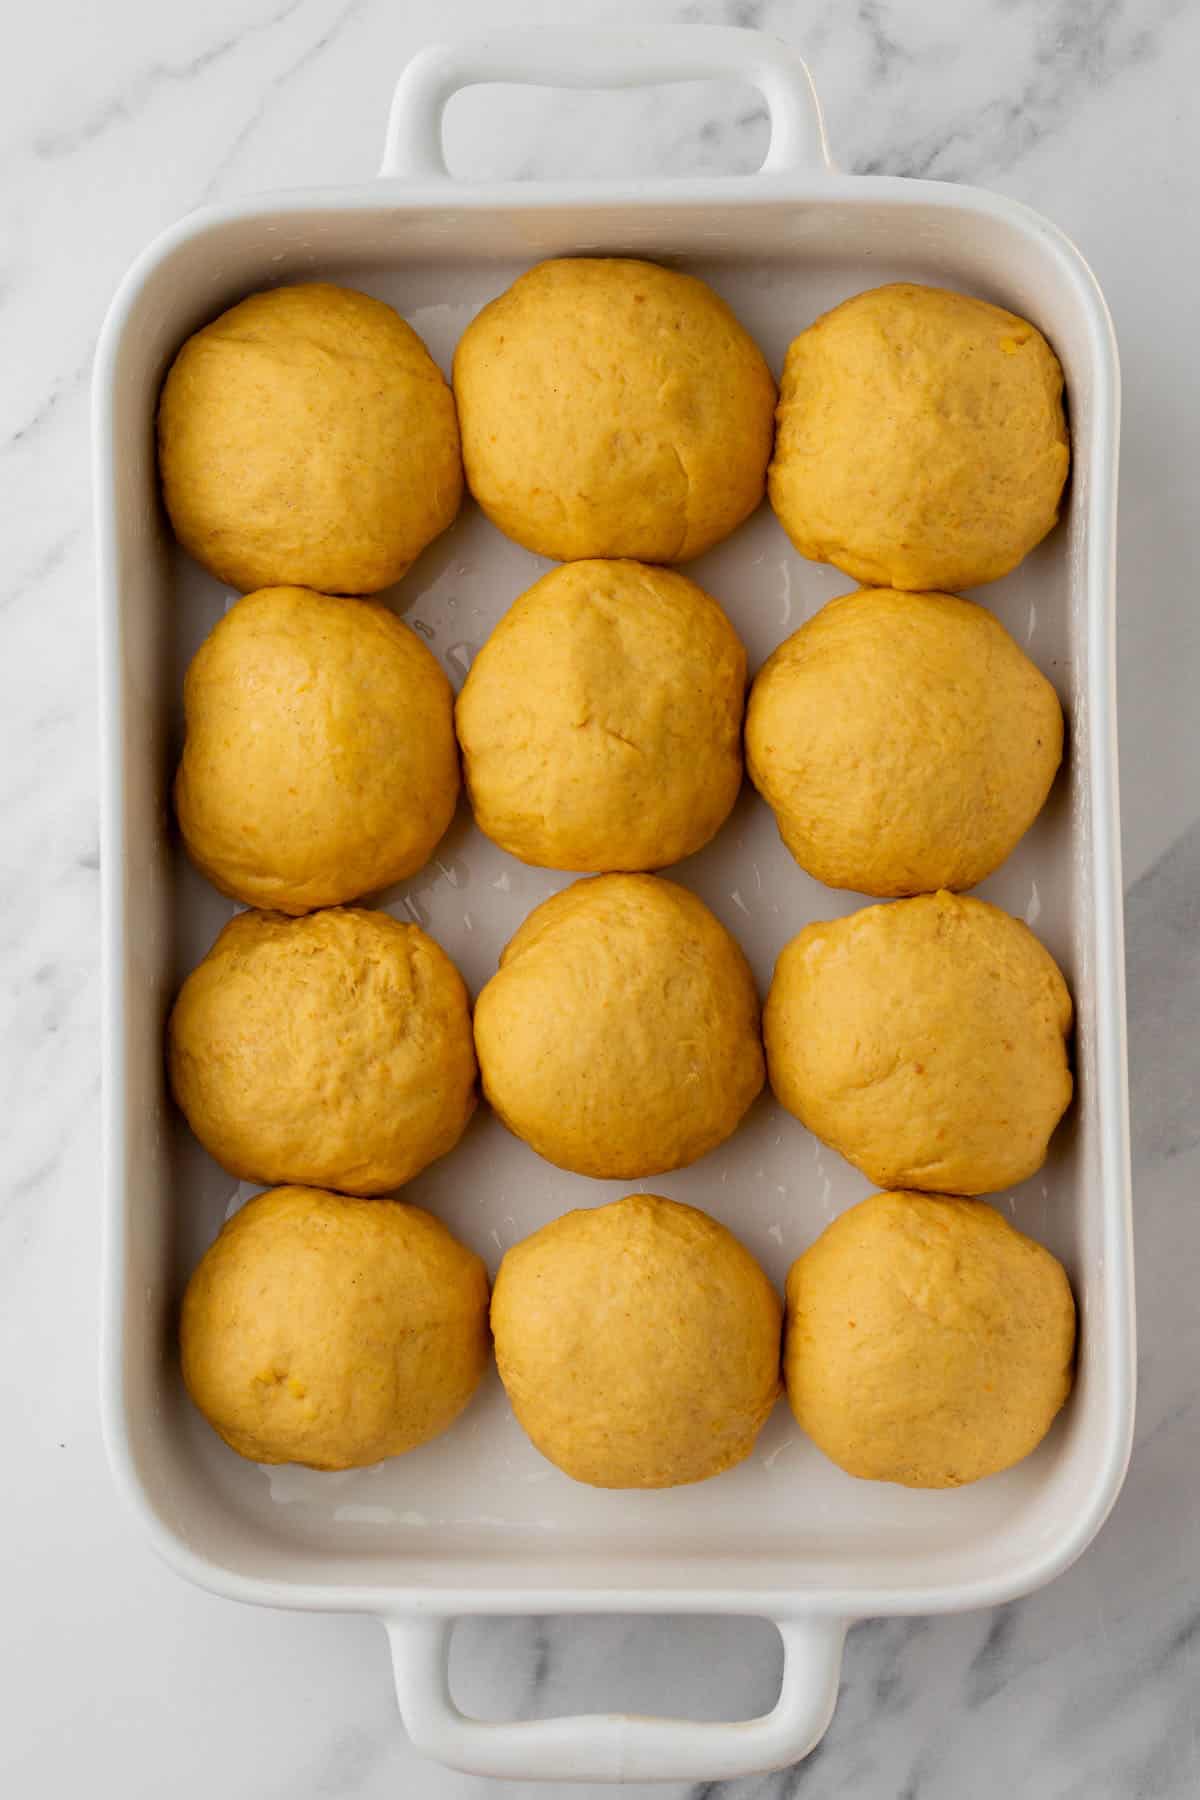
(476, 1522)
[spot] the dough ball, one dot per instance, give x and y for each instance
(638, 1343)
(921, 439)
(601, 722)
(333, 1332)
(613, 408)
(927, 1342)
(320, 762)
(925, 1040)
(620, 1035)
(903, 741)
(308, 436)
(333, 1050)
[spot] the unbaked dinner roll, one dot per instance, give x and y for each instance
(928, 1342)
(307, 436)
(333, 1332)
(613, 408)
(319, 762)
(333, 1050)
(921, 439)
(925, 1040)
(620, 1035)
(904, 742)
(638, 1343)
(601, 722)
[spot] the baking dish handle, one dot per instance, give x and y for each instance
(617, 1746)
(563, 57)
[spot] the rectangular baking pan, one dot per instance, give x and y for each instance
(476, 1522)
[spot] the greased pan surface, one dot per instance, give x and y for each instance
(477, 1521)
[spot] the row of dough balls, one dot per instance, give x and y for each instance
(904, 741)
(927, 1342)
(612, 408)
(620, 1038)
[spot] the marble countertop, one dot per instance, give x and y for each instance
(116, 1676)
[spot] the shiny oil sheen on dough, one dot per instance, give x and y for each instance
(333, 1332)
(601, 722)
(319, 762)
(307, 436)
(928, 1342)
(613, 408)
(925, 1040)
(921, 440)
(638, 1343)
(620, 1035)
(904, 742)
(333, 1050)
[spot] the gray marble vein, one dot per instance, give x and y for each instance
(119, 1678)
(135, 94)
(278, 85)
(47, 560)
(1075, 52)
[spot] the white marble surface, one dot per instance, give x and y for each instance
(115, 1677)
